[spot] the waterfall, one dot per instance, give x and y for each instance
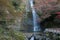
(36, 26)
(35, 17)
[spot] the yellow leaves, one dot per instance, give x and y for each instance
(9, 15)
(6, 5)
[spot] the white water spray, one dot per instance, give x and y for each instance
(35, 17)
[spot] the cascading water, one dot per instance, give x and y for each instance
(35, 17)
(36, 27)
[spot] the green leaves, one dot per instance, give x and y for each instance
(16, 4)
(11, 35)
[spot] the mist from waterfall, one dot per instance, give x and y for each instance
(35, 18)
